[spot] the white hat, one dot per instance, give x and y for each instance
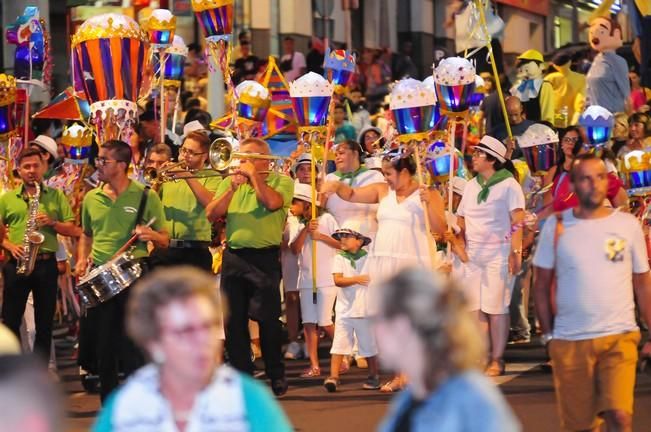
(47, 144)
(304, 158)
(303, 192)
(493, 147)
(194, 125)
(351, 227)
(459, 185)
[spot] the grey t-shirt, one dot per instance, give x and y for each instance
(594, 261)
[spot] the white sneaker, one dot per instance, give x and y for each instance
(294, 351)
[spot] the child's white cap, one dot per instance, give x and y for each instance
(303, 192)
(350, 228)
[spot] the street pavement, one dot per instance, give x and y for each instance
(528, 389)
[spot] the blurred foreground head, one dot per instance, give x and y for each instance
(424, 329)
(29, 400)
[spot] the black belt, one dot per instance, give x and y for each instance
(42, 256)
(262, 249)
(188, 244)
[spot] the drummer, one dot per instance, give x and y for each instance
(184, 204)
(110, 214)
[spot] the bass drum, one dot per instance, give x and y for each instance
(108, 280)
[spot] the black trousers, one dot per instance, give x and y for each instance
(250, 281)
(197, 257)
(104, 347)
(42, 282)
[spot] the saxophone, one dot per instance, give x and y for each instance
(33, 238)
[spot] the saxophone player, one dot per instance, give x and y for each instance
(32, 206)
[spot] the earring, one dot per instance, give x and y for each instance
(158, 356)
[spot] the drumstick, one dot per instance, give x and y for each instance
(131, 240)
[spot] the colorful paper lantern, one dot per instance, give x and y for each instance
(67, 105)
(160, 28)
(539, 144)
(339, 67)
(176, 55)
(253, 101)
(598, 123)
(437, 160)
(413, 105)
(108, 61)
(7, 106)
(454, 80)
(637, 167)
(311, 95)
(77, 140)
(215, 18)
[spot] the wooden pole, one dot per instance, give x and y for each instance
(430, 240)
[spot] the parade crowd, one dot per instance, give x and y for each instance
(422, 283)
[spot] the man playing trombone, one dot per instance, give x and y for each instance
(255, 203)
(184, 202)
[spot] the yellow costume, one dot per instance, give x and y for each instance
(569, 91)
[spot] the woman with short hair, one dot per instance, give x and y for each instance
(424, 331)
(175, 315)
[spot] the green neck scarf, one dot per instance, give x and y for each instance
(353, 257)
(350, 175)
(500, 175)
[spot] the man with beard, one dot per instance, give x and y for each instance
(111, 214)
(599, 259)
(53, 217)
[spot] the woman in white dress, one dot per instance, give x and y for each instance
(490, 215)
(401, 239)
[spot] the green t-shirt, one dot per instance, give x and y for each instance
(186, 217)
(14, 212)
(248, 223)
(110, 223)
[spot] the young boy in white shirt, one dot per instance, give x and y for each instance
(349, 275)
(300, 242)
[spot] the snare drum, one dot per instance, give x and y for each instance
(108, 280)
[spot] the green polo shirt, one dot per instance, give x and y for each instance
(248, 223)
(110, 223)
(14, 212)
(186, 217)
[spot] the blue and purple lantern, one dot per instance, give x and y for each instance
(339, 67)
(175, 56)
(215, 17)
(311, 96)
(77, 140)
(413, 105)
(253, 101)
(437, 122)
(7, 106)
(160, 28)
(454, 80)
(637, 167)
(108, 64)
(598, 123)
(539, 144)
(438, 159)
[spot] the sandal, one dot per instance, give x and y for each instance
(495, 368)
(311, 372)
(395, 385)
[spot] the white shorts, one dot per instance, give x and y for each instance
(346, 329)
(486, 281)
(321, 312)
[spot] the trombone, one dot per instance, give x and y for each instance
(220, 157)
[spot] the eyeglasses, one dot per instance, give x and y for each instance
(185, 151)
(478, 153)
(101, 161)
(189, 330)
(572, 140)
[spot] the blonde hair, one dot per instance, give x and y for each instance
(161, 288)
(262, 145)
(438, 313)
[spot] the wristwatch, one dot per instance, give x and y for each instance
(546, 338)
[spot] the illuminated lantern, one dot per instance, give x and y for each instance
(311, 95)
(77, 140)
(437, 160)
(7, 106)
(339, 67)
(413, 105)
(108, 61)
(160, 27)
(253, 101)
(598, 123)
(539, 144)
(454, 80)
